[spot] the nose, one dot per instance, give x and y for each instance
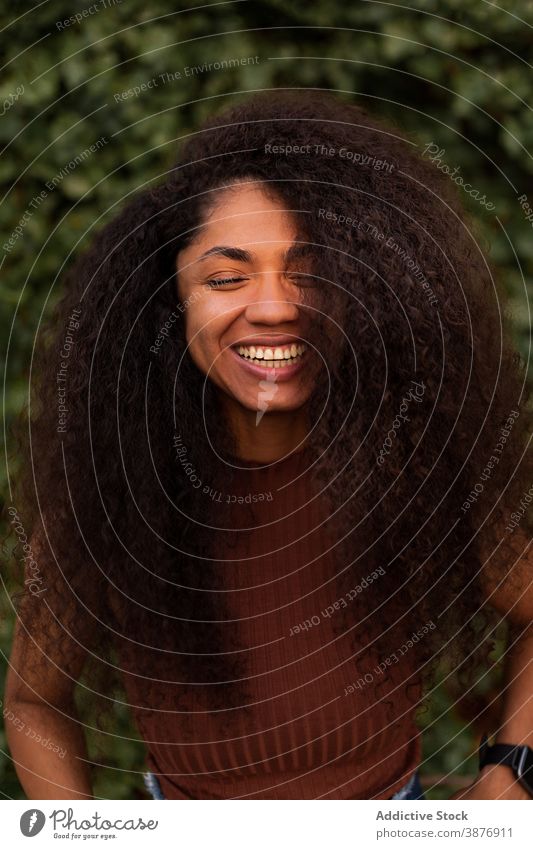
(271, 300)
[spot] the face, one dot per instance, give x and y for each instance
(241, 282)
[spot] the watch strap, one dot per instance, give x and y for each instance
(502, 753)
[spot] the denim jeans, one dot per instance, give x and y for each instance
(411, 790)
(152, 785)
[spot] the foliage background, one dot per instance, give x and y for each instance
(450, 73)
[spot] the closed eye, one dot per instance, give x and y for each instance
(301, 278)
(224, 281)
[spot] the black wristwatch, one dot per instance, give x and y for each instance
(519, 758)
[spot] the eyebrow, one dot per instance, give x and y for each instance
(296, 251)
(237, 254)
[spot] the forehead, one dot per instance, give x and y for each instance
(249, 215)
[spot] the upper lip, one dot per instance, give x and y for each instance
(269, 340)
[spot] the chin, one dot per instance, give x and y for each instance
(271, 405)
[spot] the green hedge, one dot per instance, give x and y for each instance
(449, 73)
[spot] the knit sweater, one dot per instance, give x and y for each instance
(312, 728)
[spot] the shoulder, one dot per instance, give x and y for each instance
(509, 590)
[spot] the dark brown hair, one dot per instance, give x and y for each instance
(400, 275)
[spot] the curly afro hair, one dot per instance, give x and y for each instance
(121, 536)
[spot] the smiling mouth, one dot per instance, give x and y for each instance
(272, 357)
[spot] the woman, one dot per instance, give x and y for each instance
(262, 414)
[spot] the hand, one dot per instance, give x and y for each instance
(495, 781)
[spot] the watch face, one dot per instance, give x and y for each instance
(525, 768)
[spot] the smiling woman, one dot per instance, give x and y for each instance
(243, 291)
(207, 520)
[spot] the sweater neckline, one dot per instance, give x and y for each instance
(282, 463)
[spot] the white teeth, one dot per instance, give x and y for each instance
(278, 357)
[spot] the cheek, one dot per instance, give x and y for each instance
(202, 334)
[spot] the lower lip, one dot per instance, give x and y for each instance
(264, 372)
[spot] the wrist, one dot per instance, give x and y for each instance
(497, 772)
(501, 780)
(506, 768)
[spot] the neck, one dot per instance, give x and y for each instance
(271, 438)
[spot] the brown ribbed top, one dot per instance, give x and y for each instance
(306, 734)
